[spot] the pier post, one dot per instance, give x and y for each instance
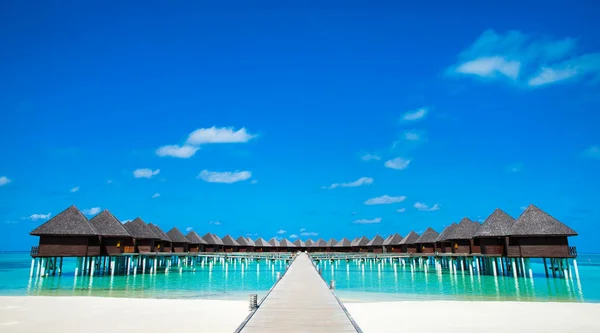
(514, 268)
(144, 265)
(545, 266)
(77, 264)
(93, 266)
(32, 267)
(576, 269)
(60, 266)
(494, 267)
(112, 266)
(43, 264)
(155, 262)
(128, 265)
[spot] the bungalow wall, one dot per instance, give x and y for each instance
(179, 247)
(144, 245)
(395, 249)
(376, 249)
(194, 248)
(409, 248)
(94, 246)
(426, 248)
(65, 246)
(492, 246)
(475, 246)
(117, 245)
(539, 247)
(462, 246)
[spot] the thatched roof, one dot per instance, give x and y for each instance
(331, 242)
(107, 225)
(376, 241)
(444, 235)
(69, 222)
(464, 230)
(138, 229)
(429, 236)
(261, 243)
(194, 238)
(496, 225)
(411, 238)
(249, 241)
(362, 241)
(212, 239)
(274, 242)
(299, 243)
(309, 243)
(393, 240)
(320, 243)
(242, 241)
(176, 236)
(159, 233)
(286, 243)
(535, 222)
(344, 243)
(229, 241)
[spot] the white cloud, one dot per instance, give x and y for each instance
(92, 211)
(145, 173)
(254, 181)
(214, 222)
(185, 151)
(188, 229)
(74, 189)
(523, 207)
(415, 114)
(359, 182)
(385, 200)
(125, 221)
(109, 181)
(369, 157)
(367, 221)
(4, 180)
(413, 135)
(514, 168)
(425, 208)
(397, 163)
(592, 152)
(35, 217)
(309, 234)
(224, 177)
(293, 236)
(302, 229)
(155, 195)
(527, 60)
(219, 135)
(281, 232)
(401, 210)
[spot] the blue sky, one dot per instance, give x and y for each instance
(299, 120)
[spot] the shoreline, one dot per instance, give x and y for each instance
(65, 314)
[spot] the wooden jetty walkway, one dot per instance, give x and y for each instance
(301, 301)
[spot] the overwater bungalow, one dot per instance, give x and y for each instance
(461, 237)
(344, 245)
(68, 234)
(250, 243)
(244, 247)
(300, 245)
(230, 244)
(426, 243)
(275, 245)
(179, 243)
(213, 243)
(492, 234)
(163, 243)
(360, 245)
(113, 236)
(261, 245)
(407, 244)
(320, 245)
(442, 244)
(143, 236)
(536, 234)
(310, 245)
(196, 242)
(287, 246)
(392, 244)
(375, 245)
(330, 246)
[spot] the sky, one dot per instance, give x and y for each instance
(299, 119)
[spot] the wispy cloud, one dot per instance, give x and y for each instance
(4, 180)
(92, 211)
(254, 181)
(74, 189)
(413, 135)
(426, 208)
(224, 177)
(109, 181)
(145, 173)
(369, 157)
(293, 236)
(35, 217)
(125, 221)
(367, 221)
(397, 163)
(309, 234)
(523, 207)
(214, 222)
(513, 168)
(359, 182)
(219, 135)
(185, 151)
(302, 229)
(526, 60)
(155, 195)
(414, 115)
(401, 210)
(188, 229)
(385, 200)
(592, 152)
(281, 232)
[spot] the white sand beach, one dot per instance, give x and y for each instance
(458, 316)
(29, 314)
(102, 314)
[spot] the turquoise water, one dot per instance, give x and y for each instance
(354, 282)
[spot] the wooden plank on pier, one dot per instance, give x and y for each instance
(300, 302)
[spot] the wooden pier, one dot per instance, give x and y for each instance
(301, 301)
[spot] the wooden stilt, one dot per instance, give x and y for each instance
(545, 266)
